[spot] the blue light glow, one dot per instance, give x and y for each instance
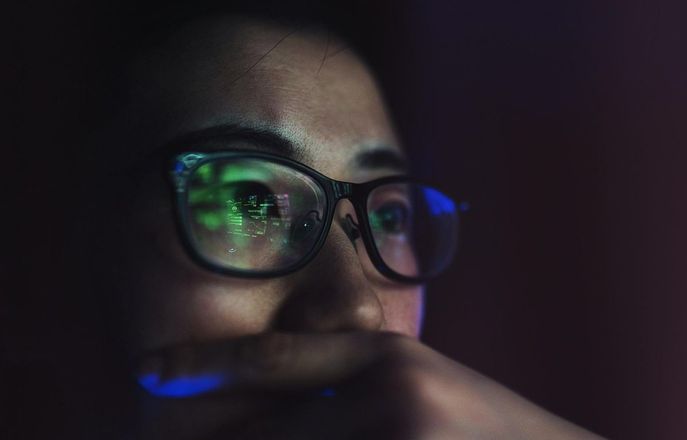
(438, 203)
(328, 392)
(179, 167)
(180, 386)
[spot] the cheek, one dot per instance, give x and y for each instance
(171, 299)
(403, 304)
(176, 310)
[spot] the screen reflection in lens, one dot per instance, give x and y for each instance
(253, 215)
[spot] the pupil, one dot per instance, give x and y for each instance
(305, 226)
(392, 218)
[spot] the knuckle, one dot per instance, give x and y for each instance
(410, 384)
(403, 359)
(396, 347)
(408, 380)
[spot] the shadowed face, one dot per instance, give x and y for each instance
(238, 84)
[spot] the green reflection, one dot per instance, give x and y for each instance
(250, 212)
(209, 185)
(211, 220)
(237, 197)
(205, 172)
(212, 194)
(375, 221)
(235, 173)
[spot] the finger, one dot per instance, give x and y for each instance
(273, 361)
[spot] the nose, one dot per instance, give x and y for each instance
(332, 293)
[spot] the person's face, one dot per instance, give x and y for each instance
(304, 87)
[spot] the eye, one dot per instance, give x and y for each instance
(390, 218)
(304, 226)
(235, 205)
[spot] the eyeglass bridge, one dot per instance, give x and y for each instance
(342, 189)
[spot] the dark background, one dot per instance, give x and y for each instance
(563, 125)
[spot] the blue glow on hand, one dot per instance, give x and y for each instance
(438, 203)
(180, 386)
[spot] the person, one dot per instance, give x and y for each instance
(264, 261)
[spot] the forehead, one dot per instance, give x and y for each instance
(303, 84)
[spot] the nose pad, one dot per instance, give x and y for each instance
(351, 228)
(347, 219)
(348, 222)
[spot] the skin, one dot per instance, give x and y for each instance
(275, 343)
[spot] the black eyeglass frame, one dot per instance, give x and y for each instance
(185, 164)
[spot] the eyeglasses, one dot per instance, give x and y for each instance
(256, 215)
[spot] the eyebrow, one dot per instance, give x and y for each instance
(381, 157)
(216, 138)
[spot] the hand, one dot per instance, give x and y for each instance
(387, 386)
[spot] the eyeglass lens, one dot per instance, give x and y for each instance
(254, 215)
(414, 228)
